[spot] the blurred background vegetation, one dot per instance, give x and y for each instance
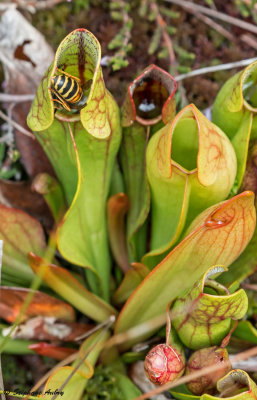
(136, 33)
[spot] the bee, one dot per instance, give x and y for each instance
(67, 91)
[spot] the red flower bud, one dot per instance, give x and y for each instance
(205, 358)
(164, 364)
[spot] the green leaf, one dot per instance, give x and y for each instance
(117, 16)
(151, 16)
(243, 266)
(183, 69)
(246, 331)
(82, 235)
(169, 13)
(79, 55)
(117, 208)
(157, 87)
(236, 97)
(116, 42)
(114, 5)
(184, 54)
(181, 392)
(227, 110)
(155, 42)
(127, 388)
(63, 283)
(133, 356)
(190, 165)
(163, 53)
(134, 142)
(117, 185)
(82, 162)
(41, 114)
(59, 148)
(240, 143)
(217, 236)
(21, 233)
(48, 187)
(143, 8)
(171, 30)
(75, 386)
(17, 346)
(183, 396)
(231, 385)
(130, 282)
(203, 319)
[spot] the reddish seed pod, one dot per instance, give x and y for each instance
(164, 364)
(205, 358)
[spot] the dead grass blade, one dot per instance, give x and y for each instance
(192, 7)
(16, 125)
(215, 68)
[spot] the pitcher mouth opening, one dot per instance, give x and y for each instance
(149, 93)
(73, 77)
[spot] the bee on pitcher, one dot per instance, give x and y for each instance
(67, 91)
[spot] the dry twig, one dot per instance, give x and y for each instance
(16, 125)
(249, 365)
(192, 7)
(15, 98)
(246, 38)
(249, 39)
(250, 286)
(31, 6)
(215, 68)
(208, 21)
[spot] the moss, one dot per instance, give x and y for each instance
(15, 375)
(102, 386)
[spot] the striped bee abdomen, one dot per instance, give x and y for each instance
(67, 88)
